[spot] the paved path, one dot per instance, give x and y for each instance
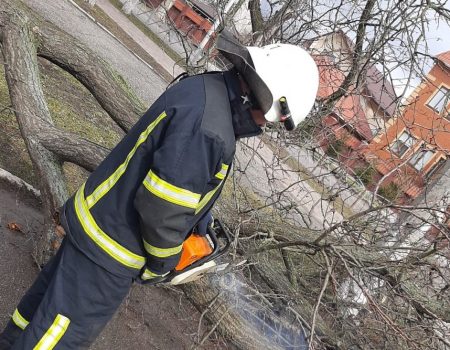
(145, 81)
(140, 38)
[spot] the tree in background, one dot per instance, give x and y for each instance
(325, 259)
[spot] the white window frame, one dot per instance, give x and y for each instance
(418, 160)
(439, 103)
(405, 139)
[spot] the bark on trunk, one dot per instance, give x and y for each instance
(25, 36)
(30, 108)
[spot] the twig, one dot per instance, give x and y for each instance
(289, 267)
(319, 298)
(205, 338)
(206, 310)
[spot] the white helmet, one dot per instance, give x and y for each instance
(275, 74)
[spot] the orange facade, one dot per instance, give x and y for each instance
(417, 142)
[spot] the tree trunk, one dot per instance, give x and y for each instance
(24, 37)
(30, 108)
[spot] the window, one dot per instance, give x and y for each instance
(440, 99)
(437, 168)
(403, 143)
(420, 159)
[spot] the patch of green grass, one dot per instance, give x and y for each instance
(68, 119)
(335, 149)
(365, 174)
(72, 108)
(390, 191)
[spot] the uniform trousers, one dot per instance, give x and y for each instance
(67, 306)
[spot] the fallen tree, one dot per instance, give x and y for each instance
(24, 38)
(299, 282)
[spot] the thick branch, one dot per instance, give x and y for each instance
(109, 88)
(72, 148)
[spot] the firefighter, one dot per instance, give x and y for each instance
(128, 221)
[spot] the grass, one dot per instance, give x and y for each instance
(365, 174)
(390, 191)
(74, 109)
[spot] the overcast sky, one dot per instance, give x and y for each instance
(437, 34)
(439, 39)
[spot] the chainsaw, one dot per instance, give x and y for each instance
(198, 256)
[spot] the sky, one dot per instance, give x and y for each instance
(437, 34)
(439, 38)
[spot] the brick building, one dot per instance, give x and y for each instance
(416, 144)
(359, 115)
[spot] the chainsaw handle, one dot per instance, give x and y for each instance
(215, 232)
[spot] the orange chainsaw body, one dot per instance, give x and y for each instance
(195, 247)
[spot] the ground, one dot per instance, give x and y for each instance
(150, 317)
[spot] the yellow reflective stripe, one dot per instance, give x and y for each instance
(171, 193)
(106, 185)
(110, 246)
(223, 172)
(149, 275)
(162, 252)
(207, 198)
(53, 334)
(19, 320)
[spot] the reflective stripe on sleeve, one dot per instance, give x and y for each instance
(162, 252)
(207, 197)
(147, 275)
(110, 246)
(223, 172)
(205, 200)
(106, 185)
(19, 320)
(53, 334)
(171, 193)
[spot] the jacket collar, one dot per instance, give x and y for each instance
(243, 123)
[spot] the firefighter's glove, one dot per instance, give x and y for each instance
(148, 277)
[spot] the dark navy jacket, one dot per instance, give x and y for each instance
(136, 209)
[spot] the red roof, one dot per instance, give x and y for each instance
(330, 77)
(444, 57)
(348, 108)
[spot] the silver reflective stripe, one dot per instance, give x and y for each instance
(223, 172)
(19, 320)
(109, 183)
(53, 334)
(149, 275)
(110, 246)
(171, 193)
